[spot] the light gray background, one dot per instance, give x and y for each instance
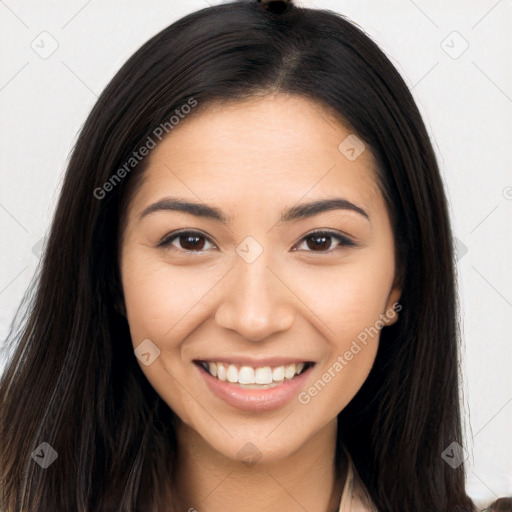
(465, 96)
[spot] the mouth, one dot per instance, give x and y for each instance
(254, 377)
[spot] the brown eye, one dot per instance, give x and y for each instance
(187, 241)
(192, 242)
(322, 241)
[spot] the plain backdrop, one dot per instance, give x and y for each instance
(57, 57)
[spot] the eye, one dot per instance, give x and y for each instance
(187, 241)
(321, 241)
(194, 241)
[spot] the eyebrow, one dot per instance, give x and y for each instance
(291, 214)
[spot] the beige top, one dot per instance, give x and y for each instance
(354, 497)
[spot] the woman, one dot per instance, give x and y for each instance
(239, 304)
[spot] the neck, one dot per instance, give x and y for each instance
(208, 481)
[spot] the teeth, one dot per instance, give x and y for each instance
(264, 375)
(278, 374)
(247, 375)
(221, 372)
(289, 371)
(232, 373)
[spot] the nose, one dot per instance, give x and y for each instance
(255, 303)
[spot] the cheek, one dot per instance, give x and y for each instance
(348, 298)
(161, 302)
(350, 314)
(349, 301)
(160, 298)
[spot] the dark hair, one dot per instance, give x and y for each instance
(73, 380)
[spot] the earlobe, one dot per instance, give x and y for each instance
(392, 314)
(393, 306)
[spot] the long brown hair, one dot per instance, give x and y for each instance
(72, 379)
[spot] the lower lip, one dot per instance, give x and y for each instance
(255, 400)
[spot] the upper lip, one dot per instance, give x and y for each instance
(255, 363)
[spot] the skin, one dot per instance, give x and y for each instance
(251, 160)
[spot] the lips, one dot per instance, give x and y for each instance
(255, 398)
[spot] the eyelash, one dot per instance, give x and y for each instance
(344, 241)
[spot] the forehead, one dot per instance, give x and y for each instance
(271, 149)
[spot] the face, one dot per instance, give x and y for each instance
(255, 316)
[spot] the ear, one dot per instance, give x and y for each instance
(392, 304)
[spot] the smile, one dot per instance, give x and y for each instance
(262, 386)
(261, 377)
